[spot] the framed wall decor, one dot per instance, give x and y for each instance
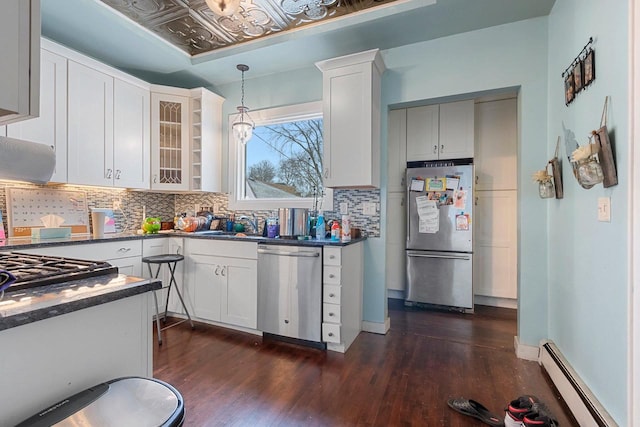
(568, 89)
(577, 77)
(589, 67)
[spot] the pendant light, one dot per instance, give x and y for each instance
(223, 7)
(243, 126)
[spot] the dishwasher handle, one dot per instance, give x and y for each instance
(290, 254)
(421, 255)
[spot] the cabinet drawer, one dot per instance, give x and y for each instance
(330, 313)
(332, 256)
(330, 332)
(122, 249)
(331, 275)
(331, 294)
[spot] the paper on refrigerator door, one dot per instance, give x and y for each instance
(429, 215)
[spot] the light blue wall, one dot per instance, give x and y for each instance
(588, 259)
(513, 55)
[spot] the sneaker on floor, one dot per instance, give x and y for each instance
(539, 416)
(517, 409)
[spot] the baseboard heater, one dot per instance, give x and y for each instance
(586, 409)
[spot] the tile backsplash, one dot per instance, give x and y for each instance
(165, 205)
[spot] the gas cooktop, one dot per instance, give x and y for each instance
(39, 270)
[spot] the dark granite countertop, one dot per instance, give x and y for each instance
(17, 243)
(30, 305)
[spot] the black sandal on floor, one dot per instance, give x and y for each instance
(476, 410)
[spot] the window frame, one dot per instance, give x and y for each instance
(237, 161)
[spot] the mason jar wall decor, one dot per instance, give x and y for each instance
(546, 188)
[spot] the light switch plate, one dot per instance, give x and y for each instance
(344, 208)
(604, 209)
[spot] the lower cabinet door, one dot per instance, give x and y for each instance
(129, 266)
(240, 293)
(205, 286)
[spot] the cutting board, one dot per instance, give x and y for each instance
(25, 207)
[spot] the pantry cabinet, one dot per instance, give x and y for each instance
(442, 131)
(20, 64)
(351, 88)
(206, 141)
(50, 128)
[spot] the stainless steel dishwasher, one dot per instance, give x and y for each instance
(290, 291)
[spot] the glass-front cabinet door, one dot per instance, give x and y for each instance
(169, 142)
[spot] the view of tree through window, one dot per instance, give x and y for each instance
(284, 160)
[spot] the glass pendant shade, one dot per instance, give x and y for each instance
(243, 129)
(223, 7)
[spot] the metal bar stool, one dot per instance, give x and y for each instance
(172, 261)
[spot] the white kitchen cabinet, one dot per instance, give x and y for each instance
(169, 140)
(423, 124)
(50, 128)
(395, 242)
(206, 141)
(495, 248)
(351, 117)
(108, 125)
(20, 64)
(90, 126)
(396, 150)
(131, 140)
(496, 137)
(342, 295)
(439, 132)
(223, 282)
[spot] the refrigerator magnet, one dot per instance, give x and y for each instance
(452, 182)
(459, 199)
(436, 184)
(417, 185)
(462, 222)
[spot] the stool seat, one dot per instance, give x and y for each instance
(161, 259)
(171, 260)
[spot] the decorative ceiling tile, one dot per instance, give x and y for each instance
(193, 27)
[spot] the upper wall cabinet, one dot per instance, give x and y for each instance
(444, 131)
(108, 129)
(20, 64)
(496, 145)
(351, 115)
(50, 127)
(186, 139)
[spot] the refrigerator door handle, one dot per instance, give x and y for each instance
(423, 255)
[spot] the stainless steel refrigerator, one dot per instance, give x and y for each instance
(439, 250)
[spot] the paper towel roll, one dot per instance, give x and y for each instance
(26, 161)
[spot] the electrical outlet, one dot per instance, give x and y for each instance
(604, 209)
(117, 204)
(369, 208)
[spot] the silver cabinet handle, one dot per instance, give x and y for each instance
(109, 173)
(155, 179)
(291, 254)
(223, 273)
(435, 149)
(124, 249)
(476, 179)
(331, 276)
(118, 172)
(417, 255)
(326, 172)
(331, 314)
(330, 334)
(217, 272)
(332, 257)
(332, 295)
(286, 321)
(442, 148)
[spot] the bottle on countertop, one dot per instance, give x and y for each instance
(320, 226)
(346, 229)
(335, 231)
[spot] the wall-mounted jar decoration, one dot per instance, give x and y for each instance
(546, 188)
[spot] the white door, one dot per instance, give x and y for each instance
(90, 126)
(240, 292)
(422, 133)
(495, 245)
(131, 135)
(205, 283)
(169, 142)
(496, 145)
(50, 128)
(457, 130)
(397, 150)
(395, 242)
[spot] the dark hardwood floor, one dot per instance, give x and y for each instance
(403, 378)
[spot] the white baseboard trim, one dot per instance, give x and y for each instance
(526, 352)
(495, 301)
(377, 328)
(584, 405)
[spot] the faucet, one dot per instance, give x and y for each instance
(252, 220)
